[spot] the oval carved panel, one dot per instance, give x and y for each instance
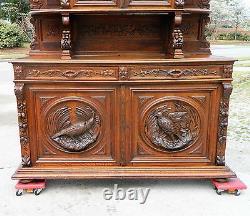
(172, 125)
(72, 125)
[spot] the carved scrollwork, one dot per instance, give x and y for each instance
(71, 73)
(173, 73)
(73, 128)
(223, 123)
(172, 126)
(23, 124)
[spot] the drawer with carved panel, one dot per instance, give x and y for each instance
(65, 72)
(179, 72)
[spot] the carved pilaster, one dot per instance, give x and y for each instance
(34, 43)
(66, 37)
(177, 37)
(223, 122)
(204, 21)
(23, 124)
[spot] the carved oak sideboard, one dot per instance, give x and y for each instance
(122, 89)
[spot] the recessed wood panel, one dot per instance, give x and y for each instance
(172, 124)
(98, 34)
(70, 124)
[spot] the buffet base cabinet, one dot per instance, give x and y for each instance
(138, 119)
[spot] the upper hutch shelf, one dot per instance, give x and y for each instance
(120, 5)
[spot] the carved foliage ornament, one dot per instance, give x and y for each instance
(66, 40)
(23, 124)
(172, 126)
(73, 128)
(174, 73)
(72, 73)
(177, 39)
(223, 122)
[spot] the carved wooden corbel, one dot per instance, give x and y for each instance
(66, 37)
(177, 37)
(23, 124)
(223, 122)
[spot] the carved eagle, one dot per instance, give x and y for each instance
(76, 129)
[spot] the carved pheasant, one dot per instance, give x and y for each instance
(168, 123)
(76, 129)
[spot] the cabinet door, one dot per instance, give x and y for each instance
(72, 124)
(172, 124)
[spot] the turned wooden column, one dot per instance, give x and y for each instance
(66, 37)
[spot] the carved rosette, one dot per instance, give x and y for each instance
(123, 73)
(65, 4)
(223, 123)
(179, 3)
(23, 124)
(72, 125)
(172, 126)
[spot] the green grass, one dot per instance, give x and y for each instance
(15, 52)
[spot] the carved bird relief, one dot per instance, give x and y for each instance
(73, 136)
(169, 123)
(172, 128)
(76, 129)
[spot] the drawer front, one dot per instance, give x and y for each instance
(174, 72)
(69, 124)
(120, 72)
(172, 124)
(65, 72)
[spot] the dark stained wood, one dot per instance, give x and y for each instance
(122, 89)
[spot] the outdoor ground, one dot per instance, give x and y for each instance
(167, 197)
